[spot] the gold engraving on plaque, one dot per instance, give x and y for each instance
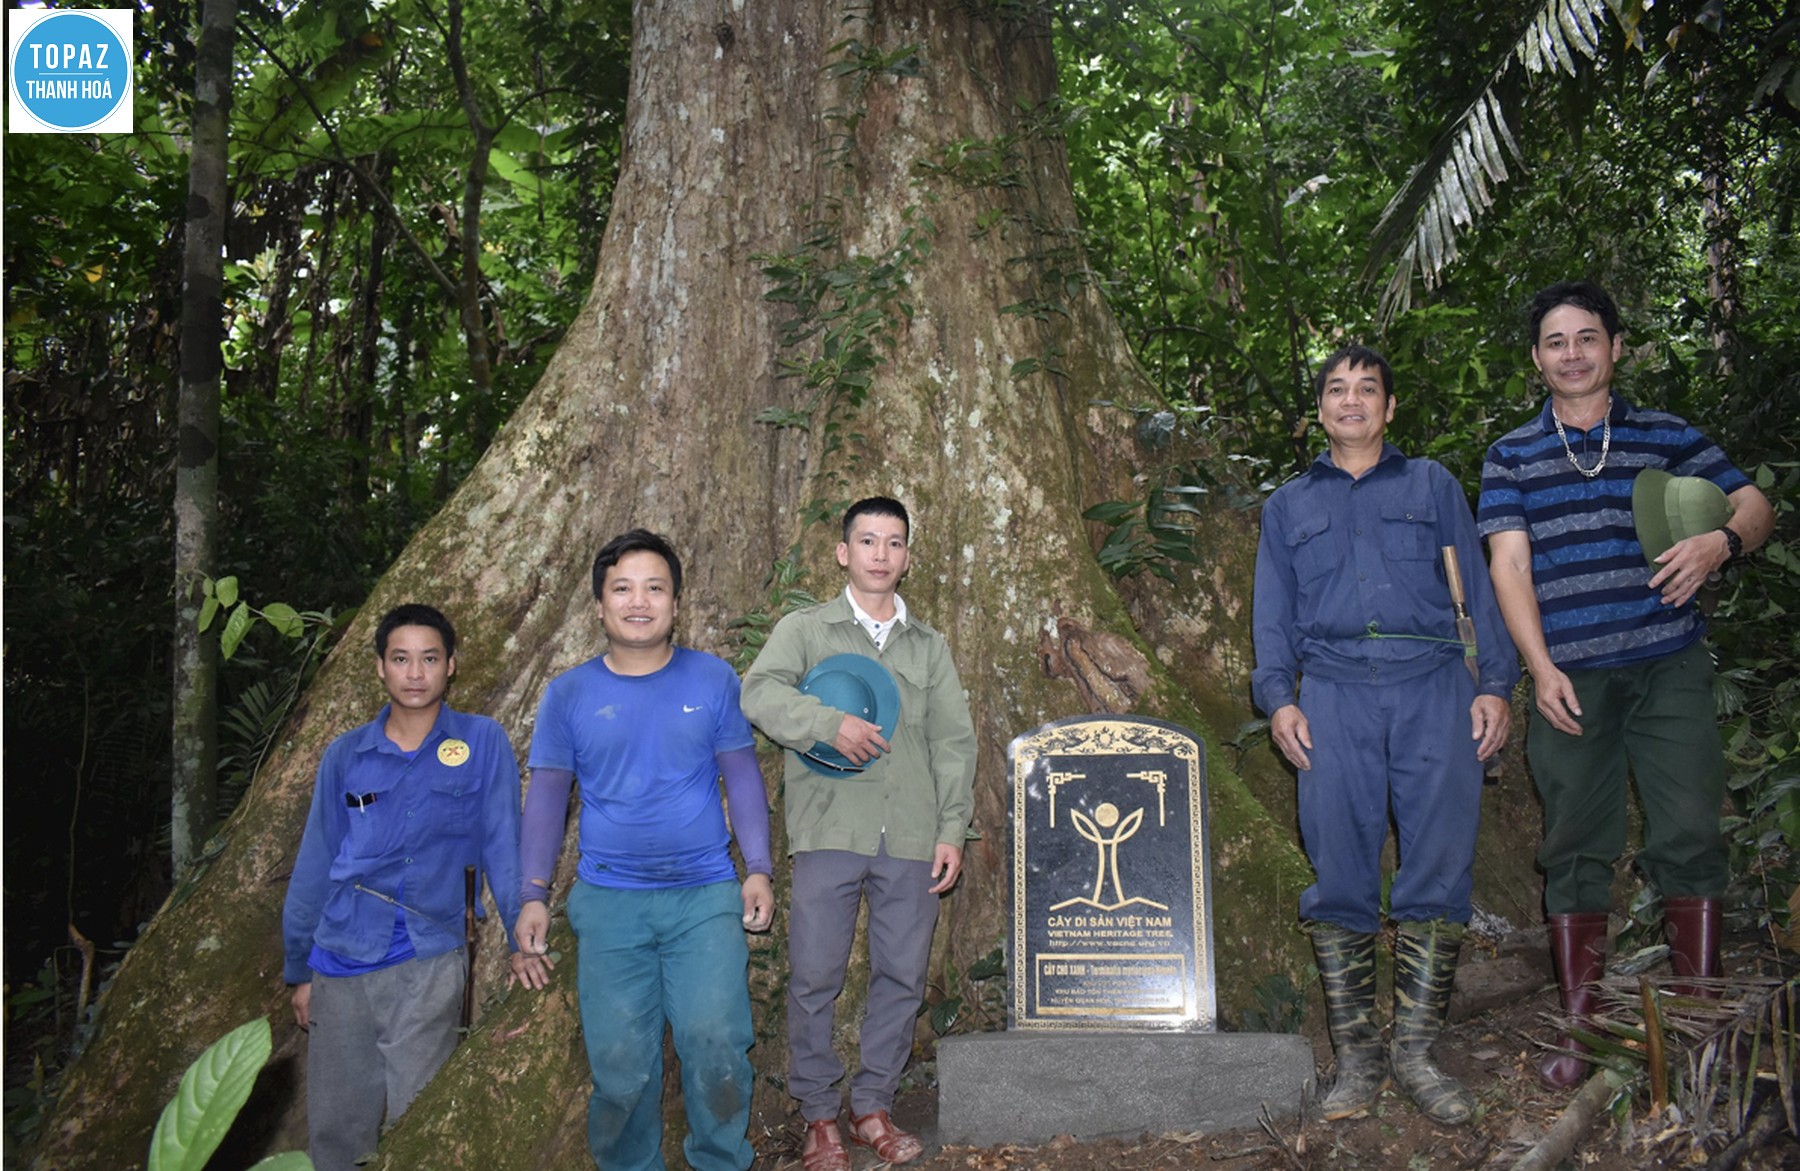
(1057, 781)
(1107, 738)
(1155, 776)
(1055, 1004)
(1106, 856)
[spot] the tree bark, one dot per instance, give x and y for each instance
(468, 289)
(193, 782)
(754, 131)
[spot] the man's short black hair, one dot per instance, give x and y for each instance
(877, 506)
(1581, 294)
(1353, 356)
(414, 614)
(635, 541)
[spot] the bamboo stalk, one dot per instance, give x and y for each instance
(1654, 1051)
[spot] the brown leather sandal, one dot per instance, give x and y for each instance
(824, 1147)
(878, 1132)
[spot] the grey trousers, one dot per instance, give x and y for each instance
(828, 889)
(374, 1042)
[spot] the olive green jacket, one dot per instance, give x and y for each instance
(919, 792)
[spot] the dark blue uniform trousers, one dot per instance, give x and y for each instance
(1403, 747)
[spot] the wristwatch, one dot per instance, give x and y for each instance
(1734, 542)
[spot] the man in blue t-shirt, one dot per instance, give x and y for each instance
(645, 732)
(1620, 677)
(373, 923)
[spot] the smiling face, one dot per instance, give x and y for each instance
(1574, 353)
(875, 554)
(637, 602)
(415, 670)
(1354, 407)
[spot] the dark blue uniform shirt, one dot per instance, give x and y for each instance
(1345, 559)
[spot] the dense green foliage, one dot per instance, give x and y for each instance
(1233, 163)
(353, 404)
(1231, 160)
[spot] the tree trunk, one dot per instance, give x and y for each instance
(468, 289)
(910, 164)
(193, 782)
(1718, 221)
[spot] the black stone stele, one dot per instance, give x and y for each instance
(1111, 903)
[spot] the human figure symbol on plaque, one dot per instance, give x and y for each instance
(1106, 856)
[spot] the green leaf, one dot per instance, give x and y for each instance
(988, 966)
(228, 591)
(211, 1093)
(286, 1161)
(236, 627)
(209, 609)
(1111, 511)
(285, 619)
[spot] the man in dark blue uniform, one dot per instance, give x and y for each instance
(1363, 675)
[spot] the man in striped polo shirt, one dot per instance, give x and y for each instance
(1613, 644)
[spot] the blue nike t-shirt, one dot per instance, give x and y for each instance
(644, 751)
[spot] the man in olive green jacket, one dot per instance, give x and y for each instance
(892, 831)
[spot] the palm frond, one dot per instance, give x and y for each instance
(1734, 1039)
(1455, 183)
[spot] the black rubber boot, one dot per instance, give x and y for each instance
(1347, 970)
(1424, 972)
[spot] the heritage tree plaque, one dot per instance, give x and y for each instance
(1112, 918)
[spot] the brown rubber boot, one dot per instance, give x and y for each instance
(1577, 944)
(1691, 925)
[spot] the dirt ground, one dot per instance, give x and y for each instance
(1500, 1019)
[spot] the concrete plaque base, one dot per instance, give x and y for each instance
(1029, 1086)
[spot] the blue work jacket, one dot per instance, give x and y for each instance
(1350, 583)
(385, 825)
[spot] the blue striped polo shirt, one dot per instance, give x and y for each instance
(1592, 582)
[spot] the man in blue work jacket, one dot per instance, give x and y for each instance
(1363, 674)
(373, 925)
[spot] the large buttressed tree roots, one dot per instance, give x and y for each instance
(894, 177)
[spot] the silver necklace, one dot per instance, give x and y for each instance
(1605, 445)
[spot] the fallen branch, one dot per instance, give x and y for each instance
(1588, 1105)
